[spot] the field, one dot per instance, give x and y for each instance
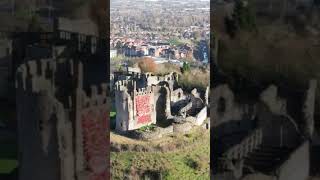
(173, 157)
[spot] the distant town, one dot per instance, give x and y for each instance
(167, 31)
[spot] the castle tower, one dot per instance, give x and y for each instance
(135, 106)
(58, 126)
(39, 115)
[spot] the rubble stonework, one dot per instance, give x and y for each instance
(62, 130)
(143, 99)
(252, 132)
(136, 108)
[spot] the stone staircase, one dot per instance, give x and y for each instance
(266, 159)
(235, 150)
(226, 142)
(220, 145)
(257, 156)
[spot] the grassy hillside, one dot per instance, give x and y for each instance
(175, 157)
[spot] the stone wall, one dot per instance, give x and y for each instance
(308, 108)
(157, 133)
(40, 118)
(276, 104)
(201, 116)
(183, 127)
(297, 165)
(144, 99)
(135, 107)
(177, 95)
(91, 132)
(284, 114)
(223, 106)
(59, 123)
(124, 107)
(145, 112)
(162, 102)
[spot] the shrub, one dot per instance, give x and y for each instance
(191, 163)
(147, 128)
(195, 78)
(185, 67)
(147, 64)
(167, 68)
(243, 17)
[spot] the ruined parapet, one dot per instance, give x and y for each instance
(92, 123)
(124, 107)
(36, 76)
(97, 97)
(58, 124)
(195, 93)
(171, 79)
(177, 95)
(124, 103)
(271, 98)
(223, 106)
(162, 96)
(133, 70)
(112, 82)
(201, 116)
(125, 85)
(43, 124)
(123, 100)
(135, 109)
(168, 102)
(183, 127)
(308, 108)
(183, 111)
(207, 96)
(136, 75)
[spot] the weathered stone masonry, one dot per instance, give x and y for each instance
(136, 109)
(142, 99)
(268, 134)
(62, 128)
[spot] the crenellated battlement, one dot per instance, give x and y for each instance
(125, 85)
(36, 75)
(97, 96)
(143, 91)
(136, 75)
(39, 75)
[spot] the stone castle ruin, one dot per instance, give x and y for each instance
(269, 132)
(143, 98)
(62, 102)
(62, 128)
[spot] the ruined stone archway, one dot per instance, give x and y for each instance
(161, 99)
(223, 105)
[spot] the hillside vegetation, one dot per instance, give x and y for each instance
(275, 48)
(172, 157)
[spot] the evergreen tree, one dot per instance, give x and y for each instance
(185, 67)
